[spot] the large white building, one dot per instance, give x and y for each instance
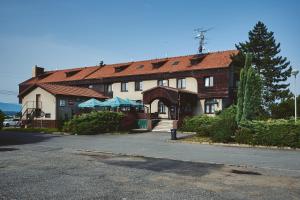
(169, 87)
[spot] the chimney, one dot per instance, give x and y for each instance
(36, 71)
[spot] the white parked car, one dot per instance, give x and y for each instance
(10, 122)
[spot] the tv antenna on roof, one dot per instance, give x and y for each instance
(200, 35)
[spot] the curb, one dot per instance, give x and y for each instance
(237, 145)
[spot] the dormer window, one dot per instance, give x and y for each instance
(175, 63)
(121, 68)
(196, 60)
(44, 75)
(140, 67)
(72, 73)
(157, 65)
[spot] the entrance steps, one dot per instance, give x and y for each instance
(164, 125)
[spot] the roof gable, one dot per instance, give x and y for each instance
(64, 90)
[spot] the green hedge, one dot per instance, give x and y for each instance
(220, 128)
(270, 133)
(202, 124)
(2, 116)
(94, 123)
(224, 127)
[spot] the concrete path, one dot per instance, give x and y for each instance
(157, 145)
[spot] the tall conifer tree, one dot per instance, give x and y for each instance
(249, 92)
(272, 68)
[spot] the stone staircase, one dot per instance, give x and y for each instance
(164, 125)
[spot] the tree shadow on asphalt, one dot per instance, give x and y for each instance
(18, 138)
(163, 165)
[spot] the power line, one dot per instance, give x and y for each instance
(8, 92)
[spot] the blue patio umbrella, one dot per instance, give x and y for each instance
(92, 103)
(115, 102)
(134, 103)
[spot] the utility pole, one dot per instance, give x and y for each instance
(201, 37)
(294, 73)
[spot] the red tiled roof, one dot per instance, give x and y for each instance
(212, 60)
(67, 91)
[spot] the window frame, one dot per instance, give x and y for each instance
(210, 81)
(126, 87)
(211, 105)
(62, 104)
(108, 87)
(181, 85)
(138, 85)
(162, 80)
(161, 107)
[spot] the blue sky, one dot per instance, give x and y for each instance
(70, 33)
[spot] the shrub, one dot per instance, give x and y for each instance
(2, 116)
(285, 109)
(224, 127)
(244, 135)
(94, 123)
(201, 124)
(220, 128)
(271, 133)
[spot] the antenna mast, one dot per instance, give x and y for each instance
(201, 37)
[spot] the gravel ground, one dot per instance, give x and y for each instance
(37, 167)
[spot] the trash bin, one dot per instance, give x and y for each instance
(173, 134)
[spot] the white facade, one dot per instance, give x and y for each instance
(48, 102)
(190, 82)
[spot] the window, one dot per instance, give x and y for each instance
(90, 86)
(47, 115)
(62, 102)
(159, 64)
(72, 73)
(210, 106)
(196, 60)
(140, 66)
(124, 87)
(161, 108)
(38, 103)
(138, 86)
(209, 81)
(181, 83)
(175, 63)
(163, 83)
(107, 88)
(121, 68)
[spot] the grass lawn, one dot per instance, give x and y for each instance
(198, 139)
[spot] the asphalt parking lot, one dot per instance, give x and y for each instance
(39, 166)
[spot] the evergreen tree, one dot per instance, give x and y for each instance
(249, 92)
(241, 88)
(272, 68)
(252, 95)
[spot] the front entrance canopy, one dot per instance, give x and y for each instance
(177, 98)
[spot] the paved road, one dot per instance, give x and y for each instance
(157, 145)
(40, 166)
